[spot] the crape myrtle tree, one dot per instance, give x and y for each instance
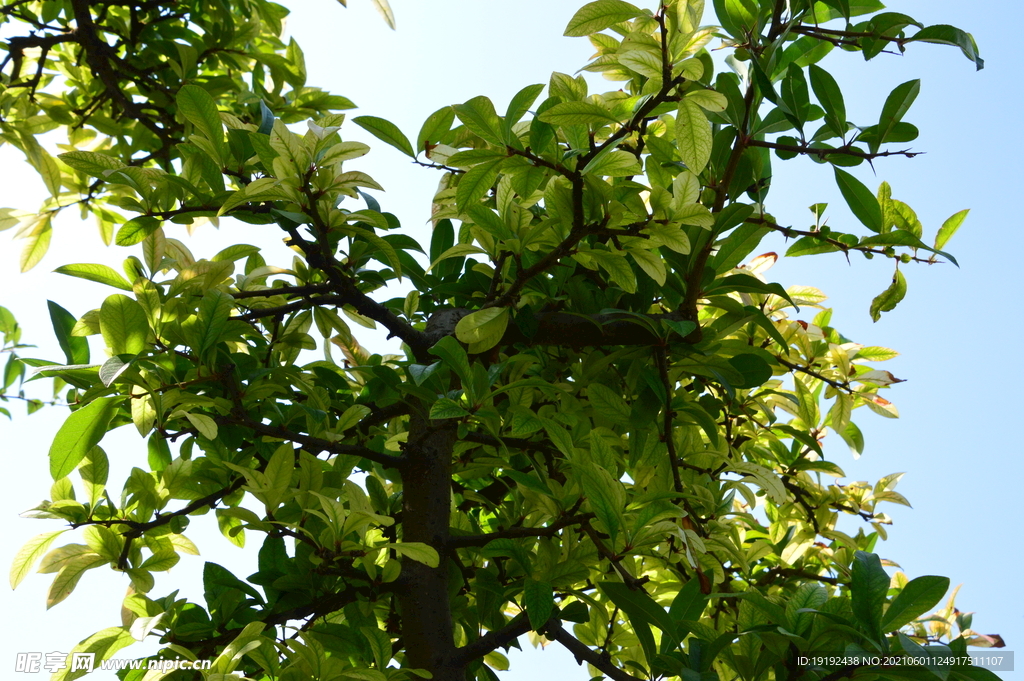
(605, 423)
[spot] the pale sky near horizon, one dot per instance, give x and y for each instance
(958, 438)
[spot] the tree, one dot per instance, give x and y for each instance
(601, 417)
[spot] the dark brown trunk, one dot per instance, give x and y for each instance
(423, 602)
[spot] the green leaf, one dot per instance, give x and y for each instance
(796, 101)
(421, 372)
(91, 163)
(76, 348)
(868, 586)
(28, 555)
(386, 131)
(124, 325)
(476, 183)
(446, 408)
(538, 597)
(605, 494)
(651, 263)
(417, 551)
(599, 15)
(576, 611)
(98, 273)
(351, 417)
(214, 310)
(266, 119)
(901, 237)
(733, 249)
(828, 11)
(206, 426)
(577, 113)
(343, 151)
(854, 439)
(480, 118)
(454, 355)
(950, 227)
(745, 283)
(235, 252)
(736, 16)
(607, 403)
(380, 644)
(943, 34)
(809, 245)
(618, 269)
(246, 641)
(560, 437)
(67, 579)
(709, 100)
(896, 106)
(136, 230)
(888, 299)
(483, 329)
(643, 612)
(36, 243)
(756, 371)
(199, 108)
(693, 135)
(95, 472)
(82, 431)
(765, 478)
(102, 645)
(918, 597)
(279, 475)
(435, 127)
(862, 202)
(830, 97)
(614, 164)
(521, 103)
(689, 603)
(683, 328)
(807, 597)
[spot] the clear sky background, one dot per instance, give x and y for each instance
(959, 438)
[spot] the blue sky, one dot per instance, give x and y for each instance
(959, 435)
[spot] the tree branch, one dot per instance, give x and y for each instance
(492, 640)
(518, 532)
(137, 529)
(842, 387)
(845, 248)
(616, 561)
(283, 291)
(822, 153)
(584, 653)
(313, 444)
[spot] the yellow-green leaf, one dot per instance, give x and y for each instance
(36, 243)
(67, 579)
(82, 431)
(124, 325)
(206, 426)
(29, 554)
(483, 329)
(599, 15)
(693, 135)
(101, 274)
(418, 551)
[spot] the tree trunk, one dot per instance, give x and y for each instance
(423, 602)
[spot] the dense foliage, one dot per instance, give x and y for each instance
(606, 424)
